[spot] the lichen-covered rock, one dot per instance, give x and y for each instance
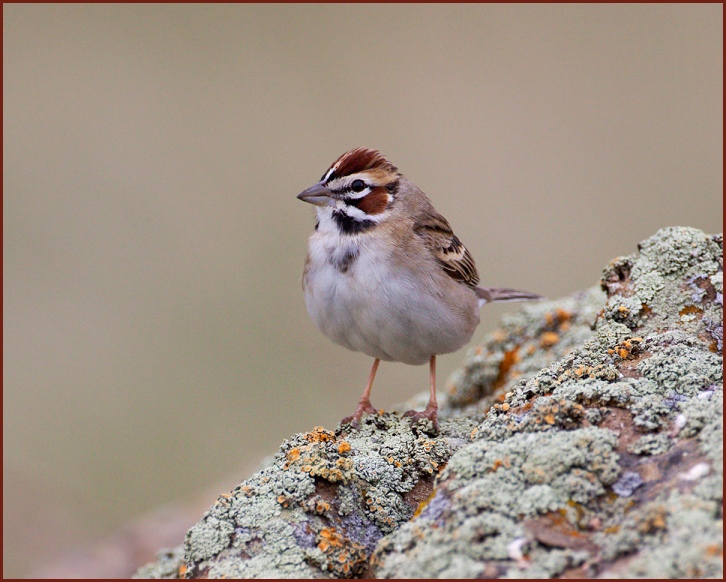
(321, 505)
(606, 462)
(583, 438)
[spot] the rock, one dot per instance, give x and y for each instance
(582, 439)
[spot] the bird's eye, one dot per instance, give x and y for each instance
(358, 186)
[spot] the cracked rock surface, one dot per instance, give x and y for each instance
(583, 438)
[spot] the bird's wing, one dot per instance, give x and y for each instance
(449, 252)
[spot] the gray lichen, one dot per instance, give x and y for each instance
(583, 438)
(323, 503)
(593, 458)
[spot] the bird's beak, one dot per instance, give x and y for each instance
(318, 195)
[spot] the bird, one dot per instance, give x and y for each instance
(386, 275)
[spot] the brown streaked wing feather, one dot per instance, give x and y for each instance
(450, 253)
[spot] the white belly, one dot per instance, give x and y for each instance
(394, 317)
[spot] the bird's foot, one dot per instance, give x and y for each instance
(431, 412)
(364, 407)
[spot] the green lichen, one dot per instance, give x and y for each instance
(539, 453)
(683, 368)
(681, 537)
(166, 566)
(563, 465)
(322, 503)
(528, 340)
(679, 251)
(547, 563)
(651, 444)
(490, 487)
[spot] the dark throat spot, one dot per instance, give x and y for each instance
(349, 225)
(343, 261)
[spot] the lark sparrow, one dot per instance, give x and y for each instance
(385, 274)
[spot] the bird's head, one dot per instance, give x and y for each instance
(356, 192)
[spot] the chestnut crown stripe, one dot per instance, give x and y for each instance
(358, 160)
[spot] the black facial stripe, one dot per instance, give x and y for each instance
(355, 201)
(392, 187)
(338, 191)
(349, 225)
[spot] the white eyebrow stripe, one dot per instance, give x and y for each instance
(344, 183)
(365, 176)
(344, 188)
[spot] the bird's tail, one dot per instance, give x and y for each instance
(490, 294)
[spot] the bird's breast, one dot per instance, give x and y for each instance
(366, 299)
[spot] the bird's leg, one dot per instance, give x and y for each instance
(364, 404)
(432, 408)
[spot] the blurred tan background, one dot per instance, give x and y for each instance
(155, 334)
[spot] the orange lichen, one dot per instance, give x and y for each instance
(564, 413)
(343, 556)
(424, 503)
(654, 520)
(293, 455)
(394, 462)
(499, 335)
(548, 339)
(331, 536)
(343, 447)
(511, 358)
(627, 348)
(319, 435)
(563, 315)
(715, 550)
(582, 370)
(501, 463)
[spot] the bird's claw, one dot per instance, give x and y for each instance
(430, 413)
(364, 407)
